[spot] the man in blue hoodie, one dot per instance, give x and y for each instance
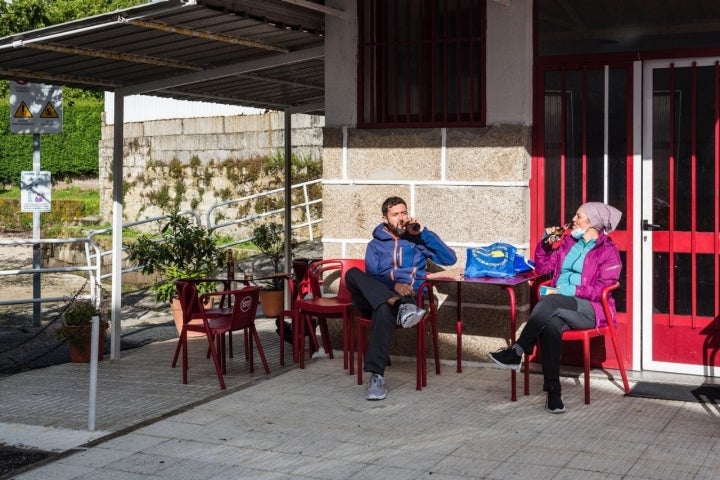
(395, 267)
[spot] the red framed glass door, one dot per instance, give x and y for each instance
(680, 215)
(583, 144)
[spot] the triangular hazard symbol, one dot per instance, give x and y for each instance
(23, 111)
(49, 111)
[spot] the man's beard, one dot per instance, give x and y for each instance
(398, 230)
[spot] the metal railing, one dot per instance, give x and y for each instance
(94, 254)
(243, 235)
(92, 267)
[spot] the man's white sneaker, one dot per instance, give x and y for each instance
(409, 315)
(376, 390)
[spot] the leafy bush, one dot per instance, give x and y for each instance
(181, 250)
(70, 154)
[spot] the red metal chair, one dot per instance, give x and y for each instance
(215, 323)
(323, 306)
(363, 323)
(585, 336)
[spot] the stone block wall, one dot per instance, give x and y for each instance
(197, 162)
(470, 185)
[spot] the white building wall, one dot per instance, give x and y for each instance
(509, 62)
(341, 65)
(144, 108)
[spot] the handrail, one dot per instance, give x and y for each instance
(105, 253)
(94, 254)
(92, 269)
(305, 205)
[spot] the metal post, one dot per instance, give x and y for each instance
(288, 198)
(94, 348)
(117, 225)
(37, 252)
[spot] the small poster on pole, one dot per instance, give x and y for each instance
(35, 191)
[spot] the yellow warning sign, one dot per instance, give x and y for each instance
(23, 111)
(49, 111)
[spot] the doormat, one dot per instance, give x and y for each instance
(683, 393)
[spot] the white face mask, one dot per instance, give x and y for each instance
(577, 233)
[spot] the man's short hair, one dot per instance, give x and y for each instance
(391, 202)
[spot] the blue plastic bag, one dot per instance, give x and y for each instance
(496, 260)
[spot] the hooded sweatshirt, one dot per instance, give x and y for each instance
(391, 259)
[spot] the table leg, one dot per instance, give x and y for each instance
(458, 325)
(513, 373)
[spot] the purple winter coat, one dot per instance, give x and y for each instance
(601, 268)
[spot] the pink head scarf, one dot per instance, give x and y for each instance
(602, 216)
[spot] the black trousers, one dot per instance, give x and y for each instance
(370, 297)
(552, 315)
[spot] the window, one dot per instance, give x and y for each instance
(422, 63)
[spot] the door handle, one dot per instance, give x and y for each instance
(650, 226)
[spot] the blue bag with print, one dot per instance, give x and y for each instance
(496, 260)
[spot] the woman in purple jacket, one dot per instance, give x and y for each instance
(582, 264)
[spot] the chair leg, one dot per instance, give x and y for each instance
(360, 352)
(349, 342)
(249, 355)
(621, 363)
(261, 352)
(586, 367)
(436, 346)
(526, 372)
(325, 333)
(216, 361)
(177, 351)
(420, 380)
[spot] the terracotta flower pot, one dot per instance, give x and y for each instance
(178, 318)
(272, 302)
(80, 352)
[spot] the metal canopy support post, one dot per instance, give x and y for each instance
(288, 184)
(117, 224)
(37, 253)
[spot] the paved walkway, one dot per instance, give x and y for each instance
(316, 424)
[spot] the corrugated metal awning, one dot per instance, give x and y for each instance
(256, 53)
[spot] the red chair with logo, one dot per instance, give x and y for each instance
(214, 323)
(364, 323)
(324, 304)
(585, 336)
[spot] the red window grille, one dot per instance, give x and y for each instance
(421, 63)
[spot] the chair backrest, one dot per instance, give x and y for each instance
(188, 297)
(244, 305)
(605, 302)
(322, 272)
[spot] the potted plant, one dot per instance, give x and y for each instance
(182, 249)
(77, 330)
(270, 239)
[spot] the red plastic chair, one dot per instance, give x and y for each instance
(191, 309)
(585, 336)
(298, 289)
(323, 306)
(242, 316)
(197, 319)
(215, 323)
(430, 319)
